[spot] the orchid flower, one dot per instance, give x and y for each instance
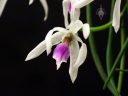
(116, 16)
(2, 6)
(73, 8)
(45, 6)
(67, 40)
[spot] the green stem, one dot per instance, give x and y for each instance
(101, 27)
(109, 50)
(122, 51)
(109, 56)
(124, 9)
(127, 7)
(122, 63)
(107, 25)
(124, 70)
(95, 54)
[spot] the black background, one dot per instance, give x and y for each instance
(22, 28)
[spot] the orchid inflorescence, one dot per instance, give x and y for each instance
(70, 45)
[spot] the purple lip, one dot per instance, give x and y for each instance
(61, 52)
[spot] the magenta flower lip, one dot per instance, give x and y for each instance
(61, 52)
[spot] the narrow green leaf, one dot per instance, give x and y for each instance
(109, 50)
(122, 51)
(122, 63)
(110, 47)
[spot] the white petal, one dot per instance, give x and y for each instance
(75, 26)
(116, 16)
(39, 49)
(73, 73)
(48, 38)
(2, 6)
(82, 3)
(73, 1)
(86, 30)
(74, 15)
(82, 56)
(74, 50)
(57, 37)
(66, 4)
(78, 38)
(30, 2)
(45, 6)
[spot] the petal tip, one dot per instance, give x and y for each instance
(30, 2)
(116, 28)
(73, 74)
(73, 81)
(58, 64)
(48, 52)
(45, 18)
(86, 30)
(27, 59)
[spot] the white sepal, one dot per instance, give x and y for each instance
(48, 38)
(74, 50)
(57, 37)
(86, 30)
(116, 16)
(30, 2)
(48, 41)
(66, 4)
(2, 6)
(80, 60)
(81, 56)
(41, 47)
(75, 26)
(82, 3)
(45, 6)
(38, 50)
(74, 14)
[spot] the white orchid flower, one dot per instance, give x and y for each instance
(73, 8)
(45, 6)
(2, 6)
(116, 16)
(67, 40)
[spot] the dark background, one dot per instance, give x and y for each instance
(22, 28)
